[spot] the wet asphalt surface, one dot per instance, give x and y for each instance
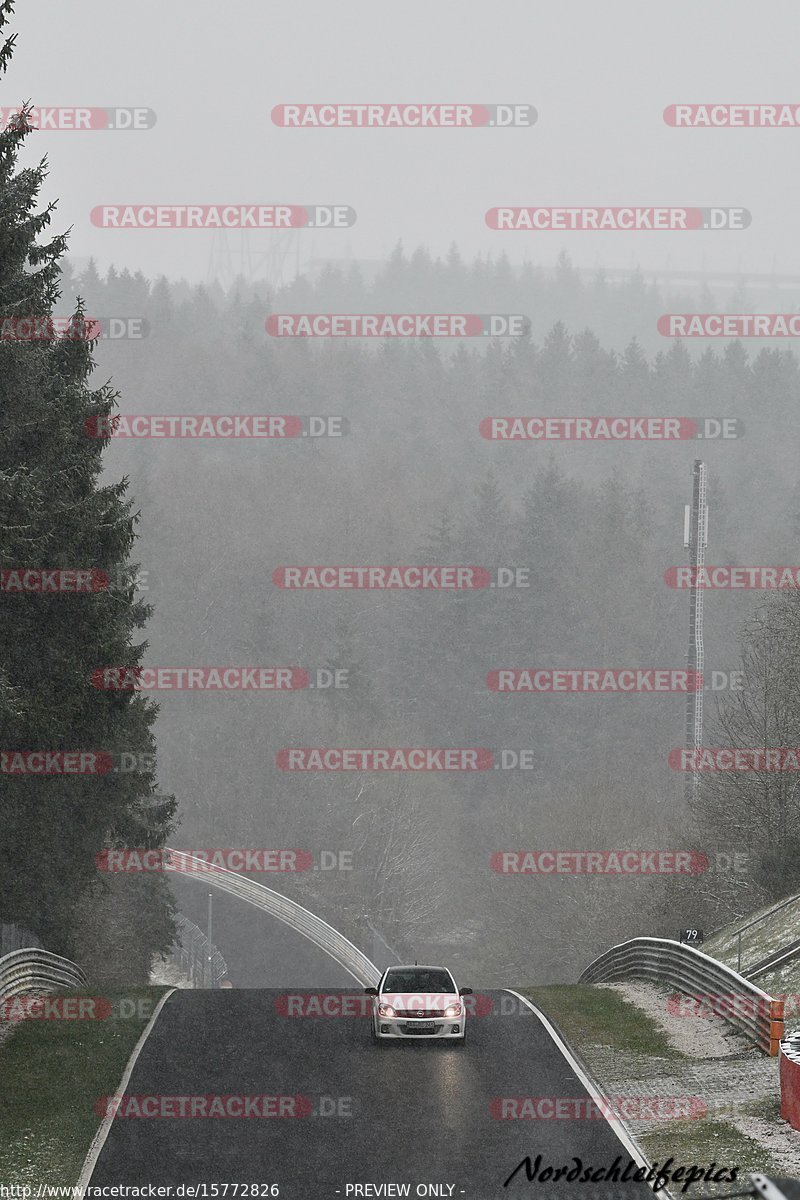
(414, 1113)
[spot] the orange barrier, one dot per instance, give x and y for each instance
(776, 1027)
(790, 1080)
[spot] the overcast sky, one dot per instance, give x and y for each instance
(599, 76)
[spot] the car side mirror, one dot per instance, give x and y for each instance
(371, 991)
(465, 991)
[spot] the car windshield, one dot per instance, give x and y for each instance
(418, 979)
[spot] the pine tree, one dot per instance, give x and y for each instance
(55, 513)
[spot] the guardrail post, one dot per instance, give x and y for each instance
(776, 1027)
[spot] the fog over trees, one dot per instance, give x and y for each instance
(595, 524)
(190, 535)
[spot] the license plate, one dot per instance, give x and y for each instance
(421, 1027)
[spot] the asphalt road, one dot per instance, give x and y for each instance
(406, 1113)
(261, 951)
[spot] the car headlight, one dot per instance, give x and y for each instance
(385, 1010)
(454, 1010)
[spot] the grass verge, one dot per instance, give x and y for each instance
(768, 1108)
(704, 1143)
(596, 1016)
(53, 1072)
(594, 1019)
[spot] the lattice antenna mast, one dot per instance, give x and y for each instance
(233, 255)
(695, 540)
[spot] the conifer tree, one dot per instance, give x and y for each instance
(57, 513)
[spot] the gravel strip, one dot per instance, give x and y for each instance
(698, 1037)
(723, 1074)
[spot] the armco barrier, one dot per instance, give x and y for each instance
(778, 958)
(34, 970)
(335, 944)
(751, 1011)
(790, 1080)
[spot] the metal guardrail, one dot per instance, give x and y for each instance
(757, 921)
(772, 1189)
(776, 959)
(751, 1011)
(323, 935)
(34, 970)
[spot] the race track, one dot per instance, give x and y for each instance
(411, 1113)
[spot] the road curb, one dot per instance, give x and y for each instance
(99, 1139)
(620, 1129)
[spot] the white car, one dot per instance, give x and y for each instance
(418, 1002)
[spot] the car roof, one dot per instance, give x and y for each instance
(417, 967)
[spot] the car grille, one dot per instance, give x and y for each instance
(421, 1014)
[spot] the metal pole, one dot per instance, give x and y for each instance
(695, 539)
(210, 939)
